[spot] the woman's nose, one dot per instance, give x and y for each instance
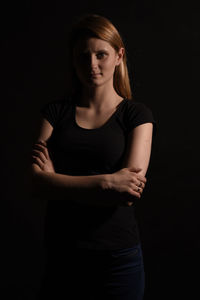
(93, 61)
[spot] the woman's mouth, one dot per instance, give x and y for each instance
(93, 75)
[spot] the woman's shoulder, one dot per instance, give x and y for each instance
(133, 107)
(59, 101)
(55, 109)
(135, 104)
(135, 113)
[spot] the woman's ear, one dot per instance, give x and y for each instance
(120, 55)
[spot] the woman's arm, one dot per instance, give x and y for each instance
(82, 189)
(47, 183)
(93, 189)
(139, 148)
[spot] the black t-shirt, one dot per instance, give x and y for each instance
(79, 151)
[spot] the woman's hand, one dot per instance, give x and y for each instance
(128, 180)
(40, 156)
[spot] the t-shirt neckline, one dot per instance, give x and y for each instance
(103, 125)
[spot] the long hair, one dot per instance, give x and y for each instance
(93, 25)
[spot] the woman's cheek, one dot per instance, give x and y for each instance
(110, 66)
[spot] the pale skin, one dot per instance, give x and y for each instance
(95, 61)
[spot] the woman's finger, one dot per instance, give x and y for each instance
(40, 155)
(43, 149)
(141, 178)
(138, 177)
(39, 146)
(37, 161)
(46, 152)
(42, 142)
(136, 188)
(139, 190)
(138, 182)
(141, 185)
(133, 192)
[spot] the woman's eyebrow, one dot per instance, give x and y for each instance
(102, 50)
(99, 50)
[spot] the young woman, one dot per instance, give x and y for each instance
(90, 161)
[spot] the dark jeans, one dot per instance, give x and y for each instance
(117, 275)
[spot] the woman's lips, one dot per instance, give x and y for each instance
(95, 74)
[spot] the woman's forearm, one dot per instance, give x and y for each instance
(84, 189)
(98, 190)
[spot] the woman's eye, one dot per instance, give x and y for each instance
(101, 55)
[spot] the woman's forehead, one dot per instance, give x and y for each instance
(92, 44)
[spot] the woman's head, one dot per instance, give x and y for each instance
(94, 33)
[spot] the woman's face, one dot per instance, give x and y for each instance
(95, 61)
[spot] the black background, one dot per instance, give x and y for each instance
(162, 40)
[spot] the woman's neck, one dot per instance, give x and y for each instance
(98, 98)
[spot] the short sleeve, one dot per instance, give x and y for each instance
(51, 111)
(137, 114)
